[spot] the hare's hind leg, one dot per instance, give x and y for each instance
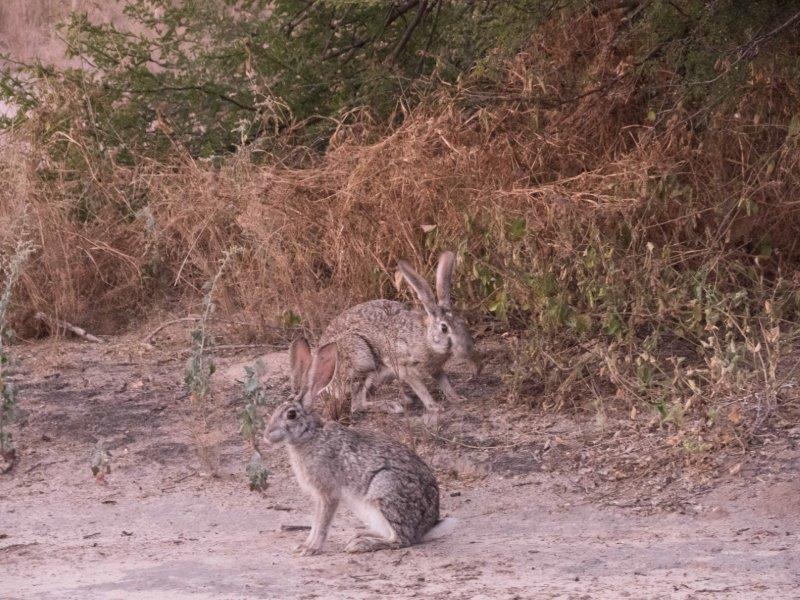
(406, 398)
(359, 395)
(362, 394)
(381, 376)
(371, 544)
(418, 386)
(380, 534)
(366, 373)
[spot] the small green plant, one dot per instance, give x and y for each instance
(252, 423)
(257, 472)
(8, 396)
(200, 366)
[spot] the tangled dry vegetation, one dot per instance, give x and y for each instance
(634, 248)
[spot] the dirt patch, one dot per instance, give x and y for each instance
(549, 506)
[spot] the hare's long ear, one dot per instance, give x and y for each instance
(444, 278)
(419, 285)
(299, 362)
(322, 371)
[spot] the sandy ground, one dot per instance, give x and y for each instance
(160, 527)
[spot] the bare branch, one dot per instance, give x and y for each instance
(423, 8)
(80, 332)
(299, 17)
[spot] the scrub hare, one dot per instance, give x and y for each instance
(380, 480)
(381, 339)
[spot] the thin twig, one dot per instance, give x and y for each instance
(168, 323)
(237, 347)
(59, 324)
(295, 527)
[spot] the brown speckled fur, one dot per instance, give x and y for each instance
(381, 339)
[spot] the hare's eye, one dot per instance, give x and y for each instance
(444, 327)
(291, 415)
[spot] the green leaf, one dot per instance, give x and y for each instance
(257, 472)
(290, 319)
(613, 325)
(590, 258)
(516, 229)
(500, 306)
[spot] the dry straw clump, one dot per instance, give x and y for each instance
(637, 248)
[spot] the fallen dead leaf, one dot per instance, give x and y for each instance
(735, 415)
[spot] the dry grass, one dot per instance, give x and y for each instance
(637, 257)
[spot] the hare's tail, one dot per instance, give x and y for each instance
(441, 529)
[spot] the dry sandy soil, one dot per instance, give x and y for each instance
(545, 506)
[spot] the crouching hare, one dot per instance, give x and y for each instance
(380, 480)
(381, 340)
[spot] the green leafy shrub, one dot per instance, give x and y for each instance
(252, 423)
(200, 366)
(217, 74)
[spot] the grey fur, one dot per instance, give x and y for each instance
(380, 479)
(381, 340)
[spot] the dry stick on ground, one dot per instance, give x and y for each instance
(295, 527)
(233, 347)
(153, 333)
(163, 326)
(59, 324)
(239, 346)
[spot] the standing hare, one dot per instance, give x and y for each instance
(381, 340)
(380, 480)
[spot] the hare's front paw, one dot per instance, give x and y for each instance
(303, 550)
(434, 407)
(432, 418)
